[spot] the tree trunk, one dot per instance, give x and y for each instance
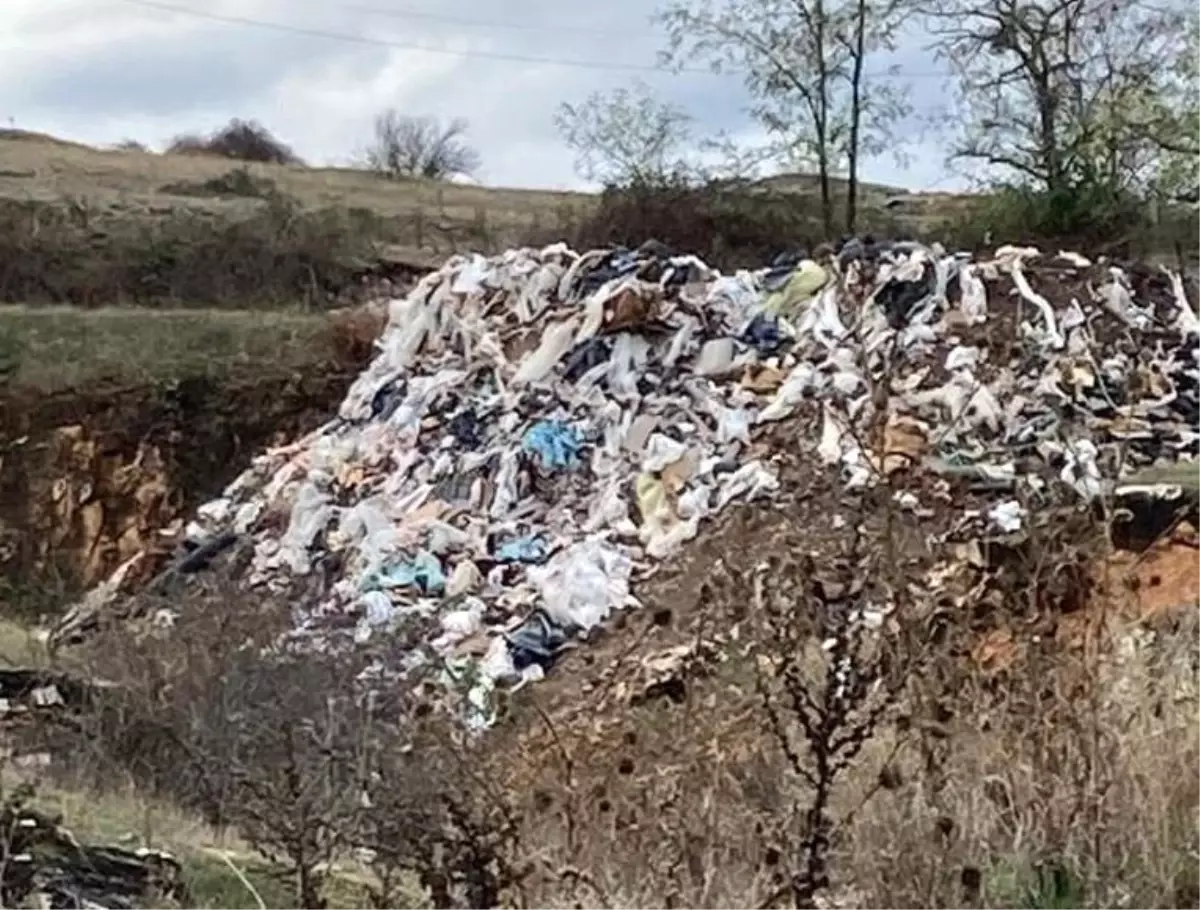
(826, 190)
(860, 40)
(822, 124)
(309, 886)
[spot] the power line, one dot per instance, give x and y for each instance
(399, 45)
(398, 13)
(485, 55)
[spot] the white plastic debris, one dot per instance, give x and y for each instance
(1007, 515)
(540, 428)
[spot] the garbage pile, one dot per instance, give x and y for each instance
(26, 691)
(542, 428)
(47, 866)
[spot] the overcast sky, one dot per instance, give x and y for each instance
(100, 71)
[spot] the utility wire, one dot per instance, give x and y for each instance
(480, 54)
(400, 13)
(400, 45)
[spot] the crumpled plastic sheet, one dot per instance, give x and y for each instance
(555, 444)
(530, 548)
(511, 464)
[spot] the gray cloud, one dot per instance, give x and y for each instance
(124, 70)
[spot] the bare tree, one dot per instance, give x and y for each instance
(625, 137)
(421, 147)
(803, 62)
(427, 815)
(1057, 91)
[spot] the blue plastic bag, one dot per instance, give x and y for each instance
(556, 444)
(423, 571)
(530, 549)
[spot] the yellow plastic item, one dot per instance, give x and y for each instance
(805, 284)
(652, 500)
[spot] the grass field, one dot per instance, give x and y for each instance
(55, 349)
(219, 870)
(39, 168)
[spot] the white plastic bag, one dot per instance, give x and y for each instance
(310, 515)
(582, 584)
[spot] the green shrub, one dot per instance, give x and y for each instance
(1086, 215)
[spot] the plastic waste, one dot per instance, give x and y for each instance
(586, 356)
(716, 358)
(388, 398)
(801, 288)
(311, 513)
(973, 302)
(1186, 321)
(538, 423)
(583, 583)
(531, 548)
(538, 640)
(763, 333)
(1007, 516)
(378, 612)
(1048, 335)
(557, 339)
(423, 572)
(554, 443)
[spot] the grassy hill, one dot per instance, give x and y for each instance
(39, 168)
(97, 203)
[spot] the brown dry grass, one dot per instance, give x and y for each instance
(1084, 772)
(44, 170)
(1066, 780)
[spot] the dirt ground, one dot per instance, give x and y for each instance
(115, 424)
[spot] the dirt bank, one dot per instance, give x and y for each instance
(92, 472)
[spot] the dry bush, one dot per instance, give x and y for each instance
(430, 817)
(239, 140)
(354, 331)
(304, 753)
(1060, 784)
(211, 715)
(727, 226)
(276, 254)
(238, 183)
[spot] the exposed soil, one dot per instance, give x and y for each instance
(91, 476)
